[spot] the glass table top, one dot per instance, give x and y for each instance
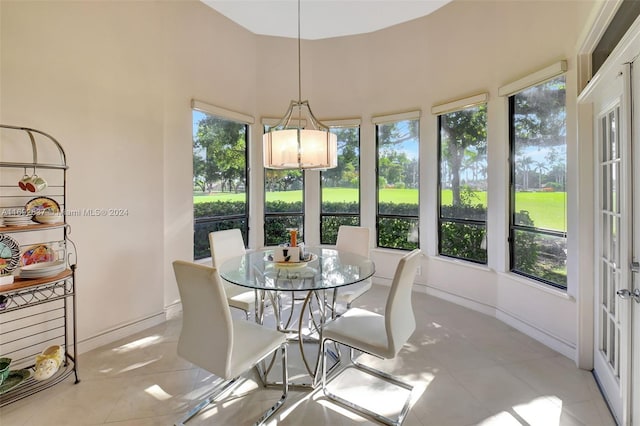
(327, 269)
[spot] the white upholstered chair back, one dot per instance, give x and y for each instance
(225, 244)
(400, 322)
(206, 339)
(353, 239)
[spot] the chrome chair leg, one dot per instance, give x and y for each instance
(370, 370)
(222, 388)
(285, 390)
(219, 390)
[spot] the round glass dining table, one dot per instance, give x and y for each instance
(324, 269)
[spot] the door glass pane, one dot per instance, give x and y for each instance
(612, 136)
(605, 187)
(606, 246)
(617, 352)
(603, 325)
(612, 240)
(612, 344)
(612, 285)
(615, 182)
(605, 146)
(604, 293)
(615, 254)
(612, 188)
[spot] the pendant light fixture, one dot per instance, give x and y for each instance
(300, 140)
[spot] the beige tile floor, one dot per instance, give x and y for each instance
(467, 369)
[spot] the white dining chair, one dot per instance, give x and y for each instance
(379, 335)
(225, 245)
(212, 340)
(353, 239)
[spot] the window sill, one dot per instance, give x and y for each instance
(537, 285)
(463, 263)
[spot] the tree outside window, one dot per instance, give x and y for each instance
(463, 184)
(398, 184)
(220, 193)
(538, 238)
(283, 204)
(340, 186)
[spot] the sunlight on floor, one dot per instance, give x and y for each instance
(139, 365)
(541, 411)
(158, 393)
(138, 344)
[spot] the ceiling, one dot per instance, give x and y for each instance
(322, 18)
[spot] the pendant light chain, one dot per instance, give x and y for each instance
(311, 146)
(299, 60)
(299, 94)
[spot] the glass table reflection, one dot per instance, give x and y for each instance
(318, 280)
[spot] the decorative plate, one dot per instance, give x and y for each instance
(9, 254)
(37, 254)
(14, 379)
(41, 205)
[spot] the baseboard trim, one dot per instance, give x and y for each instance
(173, 310)
(543, 336)
(120, 332)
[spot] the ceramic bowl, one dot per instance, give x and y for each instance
(4, 368)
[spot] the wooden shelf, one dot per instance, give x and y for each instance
(20, 283)
(33, 227)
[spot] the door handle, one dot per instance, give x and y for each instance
(628, 294)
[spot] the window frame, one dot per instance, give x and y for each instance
(266, 123)
(514, 227)
(383, 120)
(246, 121)
(344, 124)
(441, 110)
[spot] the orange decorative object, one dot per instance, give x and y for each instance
(294, 237)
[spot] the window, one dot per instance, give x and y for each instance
(626, 14)
(538, 232)
(397, 178)
(220, 192)
(462, 153)
(340, 186)
(283, 204)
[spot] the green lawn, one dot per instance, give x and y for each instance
(547, 209)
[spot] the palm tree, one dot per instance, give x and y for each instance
(525, 166)
(540, 167)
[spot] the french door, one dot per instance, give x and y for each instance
(617, 237)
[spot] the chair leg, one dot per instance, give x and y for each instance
(285, 390)
(216, 393)
(375, 372)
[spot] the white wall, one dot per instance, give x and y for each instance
(113, 80)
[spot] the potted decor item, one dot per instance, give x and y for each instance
(48, 362)
(4, 369)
